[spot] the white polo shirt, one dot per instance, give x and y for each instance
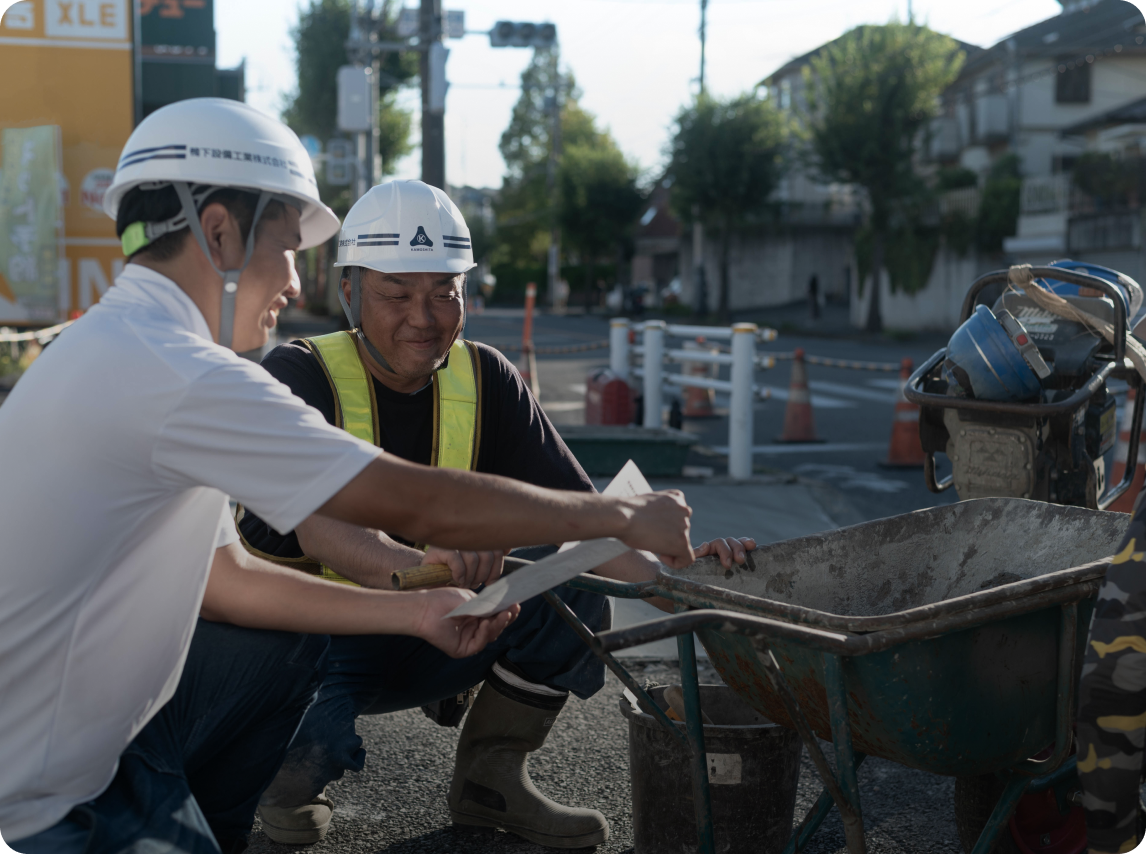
(118, 450)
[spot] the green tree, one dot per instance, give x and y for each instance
(726, 159)
(999, 205)
(869, 94)
(320, 46)
(525, 206)
(599, 202)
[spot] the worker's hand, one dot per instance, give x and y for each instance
(728, 549)
(459, 637)
(470, 569)
(659, 523)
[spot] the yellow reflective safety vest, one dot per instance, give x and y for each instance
(457, 412)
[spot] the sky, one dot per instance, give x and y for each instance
(636, 61)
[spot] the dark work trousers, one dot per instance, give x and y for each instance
(190, 781)
(375, 674)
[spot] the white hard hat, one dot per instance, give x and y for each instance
(202, 145)
(400, 227)
(222, 143)
(405, 227)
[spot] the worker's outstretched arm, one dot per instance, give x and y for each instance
(466, 510)
(247, 591)
(368, 557)
(1112, 699)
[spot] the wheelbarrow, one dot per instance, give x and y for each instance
(947, 640)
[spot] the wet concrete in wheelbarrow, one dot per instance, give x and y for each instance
(398, 803)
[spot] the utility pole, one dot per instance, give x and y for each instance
(433, 114)
(553, 102)
(701, 282)
(703, 17)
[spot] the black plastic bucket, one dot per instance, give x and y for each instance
(753, 769)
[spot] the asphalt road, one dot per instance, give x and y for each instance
(852, 409)
(397, 805)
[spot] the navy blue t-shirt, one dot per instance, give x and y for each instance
(517, 439)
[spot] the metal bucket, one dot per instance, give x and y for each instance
(753, 768)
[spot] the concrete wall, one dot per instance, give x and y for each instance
(937, 306)
(772, 269)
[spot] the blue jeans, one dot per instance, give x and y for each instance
(190, 781)
(376, 674)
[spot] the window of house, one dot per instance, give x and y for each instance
(1072, 86)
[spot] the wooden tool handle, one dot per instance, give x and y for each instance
(439, 575)
(420, 577)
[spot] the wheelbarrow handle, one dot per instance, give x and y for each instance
(727, 621)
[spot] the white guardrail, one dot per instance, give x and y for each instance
(743, 360)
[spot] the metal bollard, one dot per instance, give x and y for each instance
(654, 370)
(740, 431)
(619, 347)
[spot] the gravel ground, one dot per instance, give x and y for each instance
(398, 803)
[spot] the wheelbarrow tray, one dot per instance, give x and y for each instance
(947, 621)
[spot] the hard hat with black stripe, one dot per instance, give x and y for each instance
(203, 145)
(400, 227)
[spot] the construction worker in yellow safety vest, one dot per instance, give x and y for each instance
(152, 670)
(402, 378)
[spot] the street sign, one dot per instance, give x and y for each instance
(341, 161)
(408, 23)
(355, 110)
(454, 24)
(439, 53)
(73, 61)
(311, 144)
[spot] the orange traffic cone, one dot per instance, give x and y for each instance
(798, 423)
(1125, 502)
(698, 401)
(906, 449)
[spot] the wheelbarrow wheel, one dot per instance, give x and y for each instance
(975, 799)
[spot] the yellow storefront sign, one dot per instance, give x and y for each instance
(69, 63)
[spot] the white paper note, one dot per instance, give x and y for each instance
(547, 573)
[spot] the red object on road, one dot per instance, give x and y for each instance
(798, 423)
(698, 402)
(1125, 502)
(906, 448)
(608, 399)
(529, 358)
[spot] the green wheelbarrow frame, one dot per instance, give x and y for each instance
(794, 657)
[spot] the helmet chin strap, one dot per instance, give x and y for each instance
(230, 277)
(353, 313)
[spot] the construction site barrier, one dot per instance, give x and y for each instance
(742, 359)
(42, 336)
(886, 367)
(555, 351)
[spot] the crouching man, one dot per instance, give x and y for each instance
(403, 379)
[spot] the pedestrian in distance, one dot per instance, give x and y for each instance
(428, 396)
(152, 670)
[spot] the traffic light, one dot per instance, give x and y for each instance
(517, 34)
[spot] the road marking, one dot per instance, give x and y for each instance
(563, 405)
(854, 391)
(848, 478)
(885, 382)
(809, 448)
(819, 401)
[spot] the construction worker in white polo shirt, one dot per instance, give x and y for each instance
(404, 379)
(152, 670)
